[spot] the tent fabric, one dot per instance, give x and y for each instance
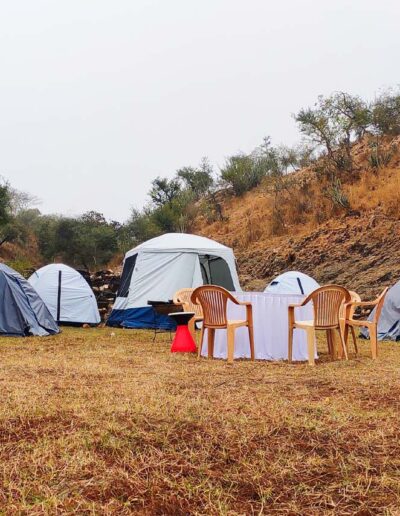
(292, 282)
(66, 293)
(159, 267)
(389, 320)
(143, 318)
(22, 311)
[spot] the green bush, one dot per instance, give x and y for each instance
(386, 114)
(242, 173)
(22, 265)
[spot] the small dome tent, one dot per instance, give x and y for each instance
(389, 320)
(292, 282)
(66, 293)
(156, 269)
(22, 312)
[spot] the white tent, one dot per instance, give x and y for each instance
(66, 294)
(156, 269)
(292, 282)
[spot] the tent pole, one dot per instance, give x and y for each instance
(59, 297)
(300, 285)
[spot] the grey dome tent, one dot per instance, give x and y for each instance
(292, 282)
(389, 321)
(67, 294)
(22, 312)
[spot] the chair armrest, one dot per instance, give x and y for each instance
(244, 303)
(362, 303)
(292, 307)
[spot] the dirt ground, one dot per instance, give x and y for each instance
(103, 421)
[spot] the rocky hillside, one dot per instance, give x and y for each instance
(358, 247)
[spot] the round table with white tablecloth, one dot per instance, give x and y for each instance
(270, 316)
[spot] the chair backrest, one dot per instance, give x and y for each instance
(354, 298)
(379, 305)
(327, 303)
(184, 297)
(213, 301)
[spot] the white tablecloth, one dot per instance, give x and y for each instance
(270, 316)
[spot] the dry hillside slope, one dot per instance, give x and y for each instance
(358, 247)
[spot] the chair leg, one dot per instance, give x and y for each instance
(353, 334)
(211, 338)
(251, 340)
(230, 343)
(343, 343)
(333, 344)
(290, 344)
(346, 333)
(201, 342)
(311, 346)
(329, 341)
(373, 336)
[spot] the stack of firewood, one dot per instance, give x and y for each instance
(105, 286)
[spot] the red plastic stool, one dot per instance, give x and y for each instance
(183, 341)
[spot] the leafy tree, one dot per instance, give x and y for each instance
(13, 227)
(11, 230)
(334, 124)
(198, 180)
(89, 241)
(94, 241)
(5, 202)
(45, 230)
(241, 174)
(163, 190)
(138, 228)
(386, 113)
(93, 218)
(21, 201)
(15, 232)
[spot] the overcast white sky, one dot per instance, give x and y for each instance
(98, 97)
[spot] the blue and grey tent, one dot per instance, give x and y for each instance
(156, 269)
(389, 320)
(22, 312)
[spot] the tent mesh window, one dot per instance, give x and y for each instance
(215, 271)
(126, 277)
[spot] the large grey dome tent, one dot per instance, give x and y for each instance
(22, 311)
(292, 282)
(67, 294)
(389, 320)
(156, 269)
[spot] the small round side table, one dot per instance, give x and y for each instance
(183, 341)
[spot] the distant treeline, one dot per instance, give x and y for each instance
(329, 130)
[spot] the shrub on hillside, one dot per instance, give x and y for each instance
(386, 113)
(242, 173)
(199, 181)
(23, 265)
(333, 125)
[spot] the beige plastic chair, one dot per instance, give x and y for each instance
(183, 297)
(213, 301)
(371, 325)
(355, 298)
(327, 302)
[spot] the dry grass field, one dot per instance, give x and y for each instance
(95, 423)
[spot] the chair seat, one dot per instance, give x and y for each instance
(359, 322)
(303, 324)
(237, 323)
(310, 324)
